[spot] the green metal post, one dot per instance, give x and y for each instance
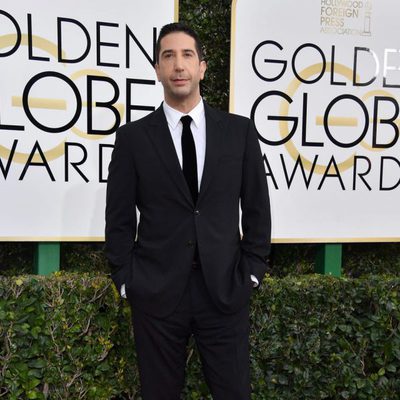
(47, 258)
(329, 259)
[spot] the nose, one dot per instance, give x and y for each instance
(178, 63)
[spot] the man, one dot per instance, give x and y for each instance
(185, 268)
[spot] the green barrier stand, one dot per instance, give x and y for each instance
(47, 258)
(329, 259)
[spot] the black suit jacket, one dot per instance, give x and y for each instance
(155, 258)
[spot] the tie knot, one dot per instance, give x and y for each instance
(186, 120)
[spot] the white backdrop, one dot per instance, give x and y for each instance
(321, 79)
(54, 58)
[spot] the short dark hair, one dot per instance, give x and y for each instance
(179, 27)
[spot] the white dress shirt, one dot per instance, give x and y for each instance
(198, 128)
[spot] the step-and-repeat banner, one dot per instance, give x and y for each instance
(70, 73)
(321, 80)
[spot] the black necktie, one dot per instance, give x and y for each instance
(189, 163)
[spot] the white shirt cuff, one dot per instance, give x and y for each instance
(253, 279)
(123, 291)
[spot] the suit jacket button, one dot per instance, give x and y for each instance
(196, 212)
(190, 243)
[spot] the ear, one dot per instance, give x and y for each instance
(203, 68)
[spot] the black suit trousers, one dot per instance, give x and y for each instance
(221, 339)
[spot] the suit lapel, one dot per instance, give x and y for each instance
(213, 146)
(160, 136)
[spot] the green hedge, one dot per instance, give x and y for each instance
(69, 337)
(63, 337)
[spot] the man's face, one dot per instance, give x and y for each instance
(179, 69)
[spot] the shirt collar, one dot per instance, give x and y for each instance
(174, 116)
